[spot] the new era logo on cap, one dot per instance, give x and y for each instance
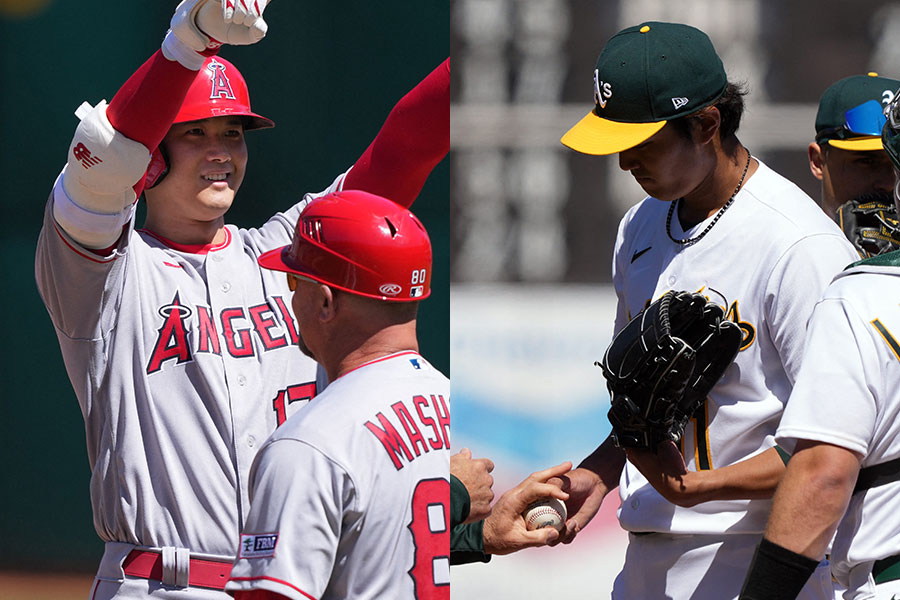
(679, 102)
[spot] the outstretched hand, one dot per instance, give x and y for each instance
(586, 493)
(505, 530)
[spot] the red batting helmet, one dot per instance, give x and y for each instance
(360, 243)
(218, 90)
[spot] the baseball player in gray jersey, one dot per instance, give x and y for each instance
(718, 222)
(178, 345)
(350, 498)
(841, 423)
(847, 156)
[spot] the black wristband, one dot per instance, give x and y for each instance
(776, 573)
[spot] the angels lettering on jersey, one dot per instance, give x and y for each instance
(239, 330)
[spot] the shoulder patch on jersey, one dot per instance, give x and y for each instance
(258, 546)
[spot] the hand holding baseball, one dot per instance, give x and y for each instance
(475, 474)
(505, 530)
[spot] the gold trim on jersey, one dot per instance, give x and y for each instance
(702, 449)
(887, 337)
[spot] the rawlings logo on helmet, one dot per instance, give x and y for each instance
(390, 289)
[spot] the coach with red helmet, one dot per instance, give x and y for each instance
(179, 346)
(372, 521)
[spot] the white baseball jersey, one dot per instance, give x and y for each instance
(766, 262)
(350, 498)
(183, 360)
(848, 394)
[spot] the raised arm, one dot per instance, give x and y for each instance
(112, 145)
(413, 140)
(589, 484)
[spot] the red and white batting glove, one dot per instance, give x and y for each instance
(200, 27)
(244, 12)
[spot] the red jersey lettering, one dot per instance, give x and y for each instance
(172, 341)
(390, 439)
(236, 340)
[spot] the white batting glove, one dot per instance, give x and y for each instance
(243, 12)
(200, 27)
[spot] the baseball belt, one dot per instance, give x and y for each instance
(886, 569)
(876, 475)
(203, 572)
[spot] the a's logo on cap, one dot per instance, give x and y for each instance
(679, 102)
(390, 289)
(221, 87)
(602, 90)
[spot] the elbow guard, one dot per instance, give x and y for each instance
(98, 180)
(103, 165)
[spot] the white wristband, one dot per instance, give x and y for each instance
(176, 50)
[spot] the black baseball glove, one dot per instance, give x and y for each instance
(870, 223)
(661, 366)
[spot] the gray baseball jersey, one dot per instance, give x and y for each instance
(350, 498)
(183, 361)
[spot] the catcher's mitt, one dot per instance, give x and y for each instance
(870, 223)
(661, 366)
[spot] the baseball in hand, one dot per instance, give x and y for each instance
(547, 512)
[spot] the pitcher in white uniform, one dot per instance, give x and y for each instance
(179, 347)
(351, 497)
(719, 222)
(843, 427)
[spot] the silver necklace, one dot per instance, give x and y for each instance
(691, 241)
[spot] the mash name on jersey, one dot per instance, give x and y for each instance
(412, 428)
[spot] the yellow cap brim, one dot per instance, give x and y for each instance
(860, 144)
(593, 135)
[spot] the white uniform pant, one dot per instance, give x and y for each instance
(667, 566)
(112, 583)
(863, 587)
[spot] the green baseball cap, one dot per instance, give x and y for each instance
(646, 75)
(852, 112)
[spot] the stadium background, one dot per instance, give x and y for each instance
(533, 223)
(328, 73)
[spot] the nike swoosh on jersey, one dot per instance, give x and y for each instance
(640, 253)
